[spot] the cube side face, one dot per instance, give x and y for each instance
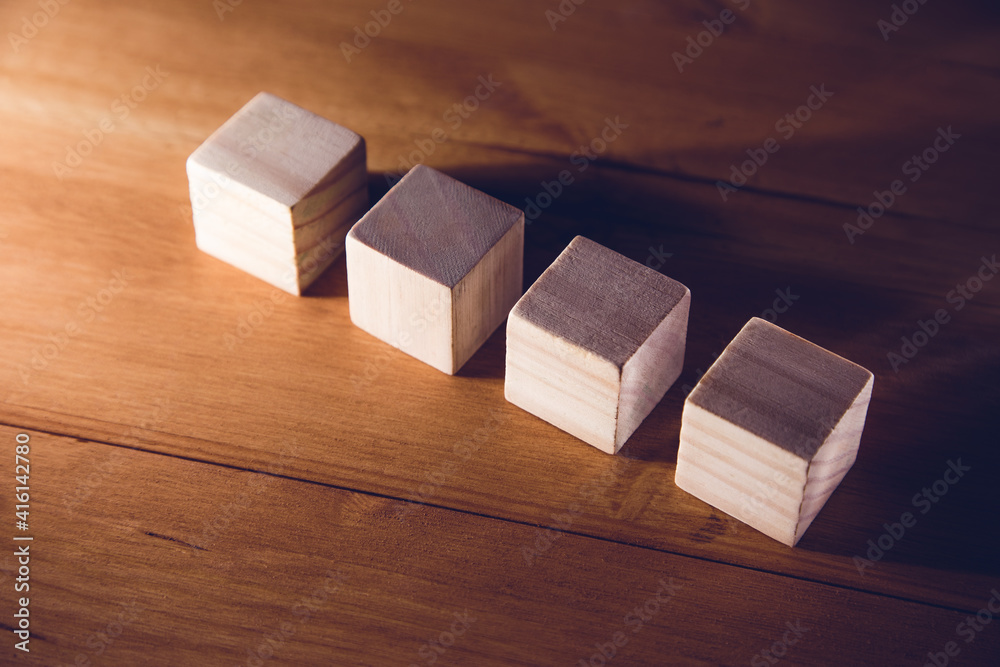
(653, 369)
(561, 383)
(232, 248)
(325, 204)
(740, 474)
(399, 306)
(833, 460)
(485, 297)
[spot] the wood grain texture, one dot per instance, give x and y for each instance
(286, 571)
(435, 267)
(275, 190)
(771, 429)
(242, 369)
(595, 343)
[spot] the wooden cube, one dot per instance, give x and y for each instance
(275, 190)
(595, 343)
(771, 429)
(434, 267)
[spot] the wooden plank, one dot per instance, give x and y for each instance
(697, 123)
(278, 569)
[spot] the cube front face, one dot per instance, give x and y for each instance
(434, 268)
(562, 383)
(595, 343)
(275, 190)
(771, 429)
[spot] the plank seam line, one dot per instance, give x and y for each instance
(704, 180)
(518, 522)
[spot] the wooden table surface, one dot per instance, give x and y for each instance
(224, 475)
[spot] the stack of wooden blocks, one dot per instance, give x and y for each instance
(435, 267)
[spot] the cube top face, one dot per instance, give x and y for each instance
(600, 300)
(781, 388)
(435, 225)
(278, 149)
